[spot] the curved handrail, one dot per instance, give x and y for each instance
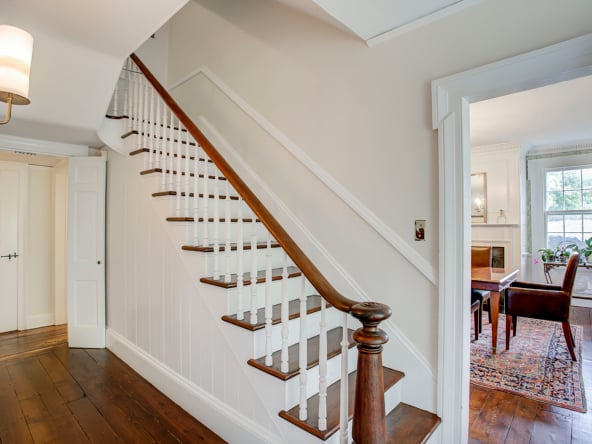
(311, 272)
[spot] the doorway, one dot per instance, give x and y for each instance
(33, 213)
(451, 97)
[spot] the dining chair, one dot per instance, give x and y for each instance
(481, 257)
(543, 301)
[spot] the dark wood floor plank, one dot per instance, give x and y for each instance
(16, 432)
(95, 426)
(552, 428)
(10, 408)
(61, 429)
(523, 422)
(153, 401)
(493, 427)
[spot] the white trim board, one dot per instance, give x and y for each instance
(422, 21)
(421, 394)
(13, 143)
(229, 423)
(396, 241)
(450, 116)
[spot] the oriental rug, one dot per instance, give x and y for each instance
(537, 366)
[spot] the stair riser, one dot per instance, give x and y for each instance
(333, 319)
(154, 184)
(293, 290)
(277, 260)
(185, 232)
(186, 207)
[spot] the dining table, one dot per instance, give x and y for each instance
(494, 280)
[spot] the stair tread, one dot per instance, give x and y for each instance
(159, 152)
(222, 247)
(210, 219)
(183, 194)
(333, 349)
(313, 304)
(276, 274)
(391, 377)
(409, 424)
(160, 170)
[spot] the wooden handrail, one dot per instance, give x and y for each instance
(300, 259)
(369, 414)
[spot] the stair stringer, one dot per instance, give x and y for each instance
(140, 310)
(420, 385)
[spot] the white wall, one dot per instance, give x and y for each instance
(39, 260)
(362, 114)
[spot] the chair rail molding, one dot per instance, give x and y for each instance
(396, 241)
(450, 116)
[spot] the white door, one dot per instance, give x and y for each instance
(11, 190)
(86, 252)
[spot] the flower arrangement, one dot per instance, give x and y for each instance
(560, 253)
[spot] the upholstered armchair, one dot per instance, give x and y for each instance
(541, 301)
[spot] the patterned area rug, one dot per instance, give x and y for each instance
(537, 366)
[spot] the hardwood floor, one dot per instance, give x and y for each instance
(496, 417)
(49, 393)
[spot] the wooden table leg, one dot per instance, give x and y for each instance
(494, 304)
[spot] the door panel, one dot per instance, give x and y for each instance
(86, 252)
(9, 220)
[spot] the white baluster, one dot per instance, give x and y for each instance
(323, 369)
(344, 393)
(205, 203)
(216, 224)
(196, 202)
(285, 315)
(180, 171)
(158, 143)
(240, 315)
(253, 270)
(163, 148)
(134, 113)
(303, 353)
(115, 110)
(227, 227)
(268, 303)
(187, 174)
(142, 116)
(153, 128)
(145, 110)
(170, 153)
(127, 105)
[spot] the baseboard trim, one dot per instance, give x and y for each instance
(39, 320)
(221, 418)
(389, 235)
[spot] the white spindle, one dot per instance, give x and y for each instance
(240, 246)
(343, 396)
(127, 105)
(143, 125)
(323, 369)
(227, 226)
(158, 143)
(196, 202)
(285, 315)
(153, 128)
(253, 270)
(115, 110)
(303, 353)
(205, 203)
(187, 174)
(170, 152)
(180, 175)
(135, 103)
(163, 148)
(216, 224)
(268, 303)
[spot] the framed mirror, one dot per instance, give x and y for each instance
(478, 198)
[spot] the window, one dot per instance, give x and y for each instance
(568, 206)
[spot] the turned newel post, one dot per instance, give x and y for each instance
(369, 425)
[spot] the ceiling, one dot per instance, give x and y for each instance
(369, 20)
(78, 50)
(554, 115)
(80, 46)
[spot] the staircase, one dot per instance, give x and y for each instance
(326, 369)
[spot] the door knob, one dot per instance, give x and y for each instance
(99, 262)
